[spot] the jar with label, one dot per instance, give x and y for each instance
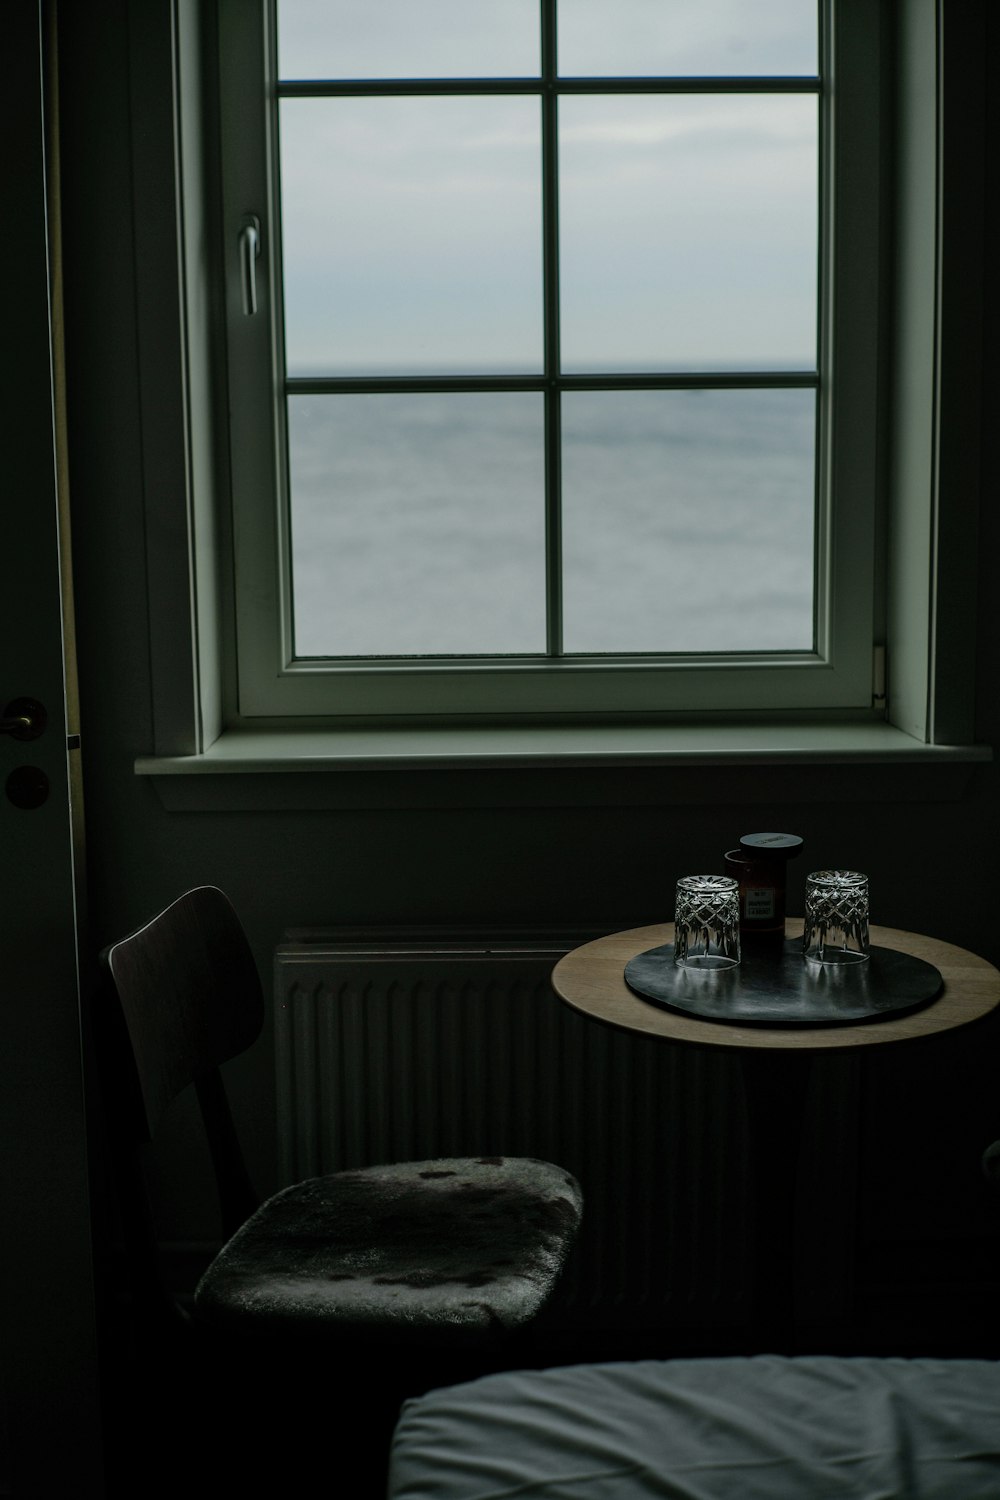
(760, 865)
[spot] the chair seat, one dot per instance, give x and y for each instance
(757, 1428)
(459, 1248)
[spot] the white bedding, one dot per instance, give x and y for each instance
(761, 1428)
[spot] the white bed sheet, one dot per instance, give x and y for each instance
(758, 1428)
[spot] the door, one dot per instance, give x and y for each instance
(48, 1346)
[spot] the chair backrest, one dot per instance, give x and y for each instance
(188, 999)
(190, 995)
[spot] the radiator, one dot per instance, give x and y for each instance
(389, 1052)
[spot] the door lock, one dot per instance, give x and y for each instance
(23, 719)
(27, 787)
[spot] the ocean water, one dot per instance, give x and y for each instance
(418, 522)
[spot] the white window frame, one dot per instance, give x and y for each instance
(836, 675)
(890, 432)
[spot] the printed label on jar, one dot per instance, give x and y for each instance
(758, 902)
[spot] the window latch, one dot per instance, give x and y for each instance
(878, 677)
(249, 242)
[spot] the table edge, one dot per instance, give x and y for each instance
(623, 1009)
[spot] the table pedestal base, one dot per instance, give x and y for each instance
(803, 1164)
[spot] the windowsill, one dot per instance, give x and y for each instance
(246, 751)
(312, 770)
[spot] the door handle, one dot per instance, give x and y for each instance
(23, 719)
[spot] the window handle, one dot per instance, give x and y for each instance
(249, 254)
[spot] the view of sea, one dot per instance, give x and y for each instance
(418, 522)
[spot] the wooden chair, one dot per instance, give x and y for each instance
(417, 1265)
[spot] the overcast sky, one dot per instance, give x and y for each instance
(412, 227)
(500, 38)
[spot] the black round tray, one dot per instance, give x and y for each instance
(778, 988)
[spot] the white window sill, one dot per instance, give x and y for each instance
(311, 770)
(254, 751)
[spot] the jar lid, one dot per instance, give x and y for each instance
(772, 845)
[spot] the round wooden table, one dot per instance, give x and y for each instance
(775, 1064)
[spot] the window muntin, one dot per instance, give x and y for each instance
(831, 669)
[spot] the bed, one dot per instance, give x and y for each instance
(762, 1427)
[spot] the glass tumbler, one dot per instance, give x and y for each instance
(836, 924)
(707, 922)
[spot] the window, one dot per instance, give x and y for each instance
(553, 351)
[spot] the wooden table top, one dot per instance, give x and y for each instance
(591, 979)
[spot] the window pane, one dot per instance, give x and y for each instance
(412, 240)
(401, 39)
(417, 524)
(688, 520)
(688, 232)
(720, 37)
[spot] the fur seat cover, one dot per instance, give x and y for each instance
(462, 1247)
